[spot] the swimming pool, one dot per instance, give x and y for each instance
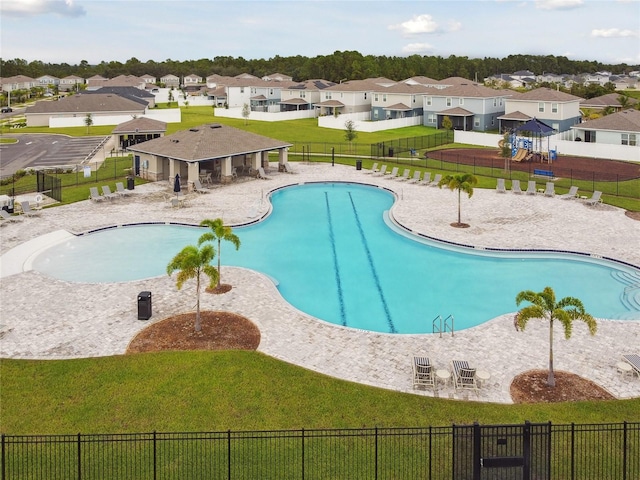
(335, 254)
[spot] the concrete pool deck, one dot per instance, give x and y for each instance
(44, 318)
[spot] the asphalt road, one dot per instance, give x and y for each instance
(43, 150)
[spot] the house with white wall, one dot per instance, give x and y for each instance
(557, 109)
(70, 82)
(302, 95)
(401, 100)
(17, 82)
(352, 96)
(621, 128)
(170, 80)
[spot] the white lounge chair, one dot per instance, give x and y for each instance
(261, 174)
(381, 172)
(405, 175)
(633, 359)
(26, 209)
(94, 195)
(416, 177)
(288, 168)
(197, 186)
(7, 217)
(423, 374)
(426, 180)
(595, 199)
(374, 169)
(500, 188)
(515, 187)
(393, 174)
(531, 188)
(550, 189)
(120, 190)
(107, 193)
(571, 194)
(436, 180)
(464, 377)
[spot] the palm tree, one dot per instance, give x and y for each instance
(544, 306)
(191, 263)
(218, 232)
(462, 183)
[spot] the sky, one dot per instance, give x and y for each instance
(70, 31)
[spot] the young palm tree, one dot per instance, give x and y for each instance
(544, 306)
(218, 232)
(462, 183)
(191, 263)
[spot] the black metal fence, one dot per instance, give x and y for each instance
(412, 145)
(524, 451)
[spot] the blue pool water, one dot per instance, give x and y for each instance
(335, 255)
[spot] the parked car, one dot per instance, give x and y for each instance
(7, 109)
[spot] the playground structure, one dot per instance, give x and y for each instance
(528, 146)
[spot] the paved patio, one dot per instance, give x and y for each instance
(44, 318)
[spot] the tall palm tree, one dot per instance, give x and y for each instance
(218, 233)
(191, 263)
(544, 306)
(462, 183)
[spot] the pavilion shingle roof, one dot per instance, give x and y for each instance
(141, 125)
(207, 142)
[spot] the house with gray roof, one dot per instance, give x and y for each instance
(70, 82)
(352, 96)
(17, 82)
(609, 100)
(401, 100)
(215, 149)
(621, 128)
(302, 95)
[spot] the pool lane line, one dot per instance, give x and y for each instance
(336, 265)
(392, 328)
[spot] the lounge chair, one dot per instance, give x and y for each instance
(500, 188)
(426, 180)
(436, 180)
(515, 187)
(120, 190)
(107, 193)
(374, 169)
(416, 177)
(7, 217)
(531, 188)
(595, 199)
(288, 168)
(381, 172)
(261, 174)
(393, 174)
(197, 186)
(405, 175)
(423, 374)
(571, 194)
(26, 209)
(94, 195)
(550, 189)
(633, 359)
(464, 377)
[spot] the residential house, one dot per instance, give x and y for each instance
(398, 101)
(148, 79)
(18, 82)
(277, 77)
(192, 80)
(598, 78)
(70, 82)
(125, 81)
(48, 82)
(557, 109)
(302, 95)
(469, 106)
(170, 81)
(132, 93)
(621, 128)
(95, 82)
(352, 96)
(422, 80)
(609, 101)
(266, 95)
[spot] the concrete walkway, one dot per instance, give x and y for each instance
(44, 318)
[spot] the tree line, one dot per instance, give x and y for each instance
(341, 65)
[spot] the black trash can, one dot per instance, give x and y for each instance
(391, 152)
(358, 164)
(144, 305)
(130, 183)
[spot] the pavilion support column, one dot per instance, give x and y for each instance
(256, 162)
(193, 172)
(174, 167)
(282, 158)
(226, 170)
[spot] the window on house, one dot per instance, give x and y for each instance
(541, 107)
(476, 123)
(375, 97)
(554, 108)
(449, 102)
(629, 139)
(431, 118)
(495, 102)
(500, 102)
(590, 136)
(413, 99)
(461, 101)
(429, 100)
(384, 97)
(327, 95)
(241, 89)
(365, 95)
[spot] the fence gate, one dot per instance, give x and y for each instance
(49, 185)
(502, 452)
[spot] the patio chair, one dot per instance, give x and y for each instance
(416, 177)
(633, 360)
(423, 374)
(571, 194)
(464, 377)
(393, 174)
(26, 209)
(107, 193)
(531, 187)
(500, 188)
(94, 195)
(436, 180)
(120, 190)
(381, 172)
(197, 186)
(515, 187)
(426, 180)
(595, 199)
(550, 189)
(288, 168)
(7, 217)
(405, 175)
(374, 169)
(261, 174)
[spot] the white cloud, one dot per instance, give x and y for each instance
(66, 8)
(558, 4)
(613, 33)
(412, 48)
(454, 26)
(417, 24)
